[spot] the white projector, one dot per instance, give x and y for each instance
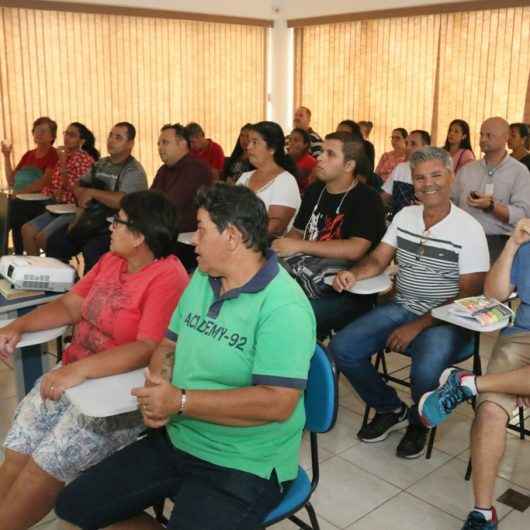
(37, 273)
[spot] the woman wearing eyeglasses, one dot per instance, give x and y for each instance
(120, 312)
(391, 159)
(76, 157)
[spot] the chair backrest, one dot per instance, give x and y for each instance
(321, 396)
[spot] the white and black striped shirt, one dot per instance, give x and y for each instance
(432, 261)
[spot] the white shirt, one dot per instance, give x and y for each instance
(281, 191)
(432, 261)
(401, 173)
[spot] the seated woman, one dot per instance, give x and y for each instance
(273, 180)
(30, 175)
(519, 143)
(120, 311)
(75, 160)
(238, 162)
(298, 149)
(391, 159)
(458, 144)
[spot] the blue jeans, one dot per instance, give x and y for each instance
(206, 496)
(431, 352)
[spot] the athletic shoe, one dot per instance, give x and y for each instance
(413, 442)
(476, 521)
(383, 424)
(435, 406)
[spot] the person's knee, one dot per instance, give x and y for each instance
(40, 239)
(491, 414)
(28, 231)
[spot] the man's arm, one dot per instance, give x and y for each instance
(401, 337)
(349, 249)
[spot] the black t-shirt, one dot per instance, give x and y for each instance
(357, 213)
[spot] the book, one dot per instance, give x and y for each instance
(484, 310)
(9, 293)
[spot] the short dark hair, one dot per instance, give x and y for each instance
(44, 120)
(353, 126)
(194, 129)
(238, 206)
(368, 124)
(352, 146)
(425, 136)
(524, 132)
(131, 129)
(180, 131)
(152, 214)
(304, 134)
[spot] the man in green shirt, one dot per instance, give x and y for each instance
(238, 350)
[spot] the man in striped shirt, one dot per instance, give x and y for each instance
(442, 254)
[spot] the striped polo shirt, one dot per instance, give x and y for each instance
(432, 261)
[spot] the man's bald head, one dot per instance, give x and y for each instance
(494, 133)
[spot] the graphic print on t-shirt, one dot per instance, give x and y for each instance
(324, 227)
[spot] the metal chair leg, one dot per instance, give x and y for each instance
(430, 444)
(522, 431)
(312, 516)
(379, 357)
(468, 470)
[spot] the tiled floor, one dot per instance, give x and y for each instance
(365, 487)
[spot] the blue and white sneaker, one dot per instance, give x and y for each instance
(435, 406)
(476, 521)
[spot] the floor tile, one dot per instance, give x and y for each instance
(344, 433)
(346, 492)
(515, 466)
(447, 489)
(380, 459)
(452, 436)
(305, 453)
(406, 512)
(515, 520)
(302, 514)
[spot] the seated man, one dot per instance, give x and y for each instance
(442, 254)
(109, 179)
(506, 384)
(179, 178)
(339, 221)
(496, 189)
(233, 414)
(205, 149)
(398, 190)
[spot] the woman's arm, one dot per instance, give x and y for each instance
(279, 219)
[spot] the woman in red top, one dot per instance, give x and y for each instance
(120, 311)
(75, 160)
(298, 148)
(30, 175)
(391, 159)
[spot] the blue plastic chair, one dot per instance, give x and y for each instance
(321, 399)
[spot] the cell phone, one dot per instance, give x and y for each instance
(474, 195)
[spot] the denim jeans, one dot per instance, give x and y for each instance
(431, 352)
(206, 496)
(334, 311)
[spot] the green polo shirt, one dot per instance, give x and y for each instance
(260, 334)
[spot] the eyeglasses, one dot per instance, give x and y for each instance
(115, 221)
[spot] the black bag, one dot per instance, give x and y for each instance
(92, 221)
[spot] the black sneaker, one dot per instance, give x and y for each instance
(383, 424)
(413, 442)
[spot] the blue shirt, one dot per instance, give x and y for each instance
(521, 280)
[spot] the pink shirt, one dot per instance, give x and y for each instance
(120, 307)
(461, 158)
(387, 163)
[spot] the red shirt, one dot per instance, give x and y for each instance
(31, 168)
(212, 154)
(121, 307)
(305, 165)
(62, 188)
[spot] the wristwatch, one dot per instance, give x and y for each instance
(491, 207)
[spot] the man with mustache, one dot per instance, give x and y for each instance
(442, 255)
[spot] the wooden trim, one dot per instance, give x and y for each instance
(435, 9)
(133, 12)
